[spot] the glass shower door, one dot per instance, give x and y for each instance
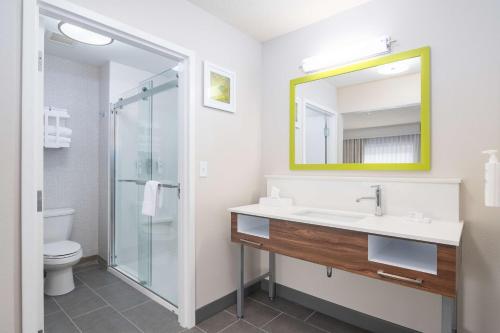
(164, 168)
(145, 131)
(132, 253)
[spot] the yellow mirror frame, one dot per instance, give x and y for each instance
(425, 148)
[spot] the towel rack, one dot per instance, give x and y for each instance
(56, 139)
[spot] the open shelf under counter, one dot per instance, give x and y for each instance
(409, 254)
(253, 225)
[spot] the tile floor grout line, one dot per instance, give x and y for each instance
(319, 328)
(48, 314)
(89, 312)
(201, 329)
(308, 324)
(257, 327)
(70, 319)
(281, 314)
(243, 319)
(275, 308)
(137, 305)
(266, 323)
(225, 328)
(308, 317)
(112, 283)
(267, 305)
(112, 307)
(232, 314)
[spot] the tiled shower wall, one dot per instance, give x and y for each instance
(71, 174)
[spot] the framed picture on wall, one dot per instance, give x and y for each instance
(219, 88)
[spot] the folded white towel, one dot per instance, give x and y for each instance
(63, 131)
(152, 198)
(62, 139)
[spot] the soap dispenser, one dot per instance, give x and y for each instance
(492, 180)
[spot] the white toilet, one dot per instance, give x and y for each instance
(59, 253)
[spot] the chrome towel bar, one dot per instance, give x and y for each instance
(143, 182)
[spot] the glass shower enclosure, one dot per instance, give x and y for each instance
(144, 127)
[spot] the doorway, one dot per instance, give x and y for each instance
(181, 230)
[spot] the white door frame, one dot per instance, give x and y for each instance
(32, 162)
(317, 107)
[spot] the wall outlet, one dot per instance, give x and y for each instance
(203, 169)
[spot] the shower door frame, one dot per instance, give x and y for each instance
(32, 167)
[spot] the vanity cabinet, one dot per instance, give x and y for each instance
(426, 266)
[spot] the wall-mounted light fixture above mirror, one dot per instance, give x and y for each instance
(371, 115)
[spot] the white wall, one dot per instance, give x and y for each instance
(71, 174)
(381, 94)
(123, 78)
(399, 116)
(465, 111)
(320, 92)
(10, 150)
(231, 143)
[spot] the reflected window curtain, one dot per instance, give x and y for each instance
(392, 149)
(353, 151)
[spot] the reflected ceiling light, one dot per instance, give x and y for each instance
(83, 35)
(393, 68)
(348, 53)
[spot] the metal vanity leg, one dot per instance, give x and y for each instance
(448, 315)
(272, 276)
(240, 293)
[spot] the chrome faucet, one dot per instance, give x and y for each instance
(377, 198)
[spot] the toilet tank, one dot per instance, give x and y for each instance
(57, 224)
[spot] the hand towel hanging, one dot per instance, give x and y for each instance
(152, 198)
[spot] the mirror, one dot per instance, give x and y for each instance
(371, 115)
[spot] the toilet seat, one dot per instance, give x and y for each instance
(61, 250)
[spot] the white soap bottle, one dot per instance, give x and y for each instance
(492, 180)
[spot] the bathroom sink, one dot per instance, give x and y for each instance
(331, 216)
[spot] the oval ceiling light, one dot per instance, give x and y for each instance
(83, 35)
(394, 68)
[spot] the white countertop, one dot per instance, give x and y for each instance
(437, 231)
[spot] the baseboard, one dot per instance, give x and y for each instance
(101, 261)
(222, 303)
(88, 259)
(359, 319)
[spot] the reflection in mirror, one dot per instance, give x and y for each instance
(366, 116)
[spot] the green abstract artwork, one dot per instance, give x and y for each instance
(220, 88)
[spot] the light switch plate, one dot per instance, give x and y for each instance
(203, 169)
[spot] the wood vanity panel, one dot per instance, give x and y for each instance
(348, 250)
(343, 249)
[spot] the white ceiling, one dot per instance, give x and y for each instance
(267, 19)
(99, 55)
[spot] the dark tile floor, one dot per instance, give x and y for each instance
(102, 303)
(280, 316)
